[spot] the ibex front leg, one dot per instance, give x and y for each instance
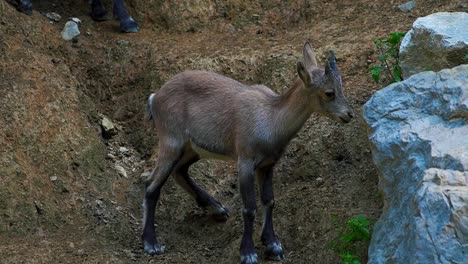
(274, 249)
(246, 171)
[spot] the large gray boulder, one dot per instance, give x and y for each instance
(438, 41)
(418, 130)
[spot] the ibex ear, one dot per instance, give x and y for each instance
(330, 65)
(309, 56)
(303, 73)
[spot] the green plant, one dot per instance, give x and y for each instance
(348, 258)
(388, 60)
(357, 229)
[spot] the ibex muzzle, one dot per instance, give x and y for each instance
(203, 114)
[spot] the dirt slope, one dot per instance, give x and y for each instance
(61, 200)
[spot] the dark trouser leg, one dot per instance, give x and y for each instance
(274, 249)
(166, 163)
(98, 12)
(127, 23)
(24, 6)
(246, 171)
(201, 196)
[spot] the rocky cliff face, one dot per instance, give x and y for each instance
(418, 129)
(438, 41)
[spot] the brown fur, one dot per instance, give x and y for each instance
(226, 117)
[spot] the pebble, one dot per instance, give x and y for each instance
(39, 207)
(108, 127)
(407, 7)
(121, 171)
(53, 178)
(99, 203)
(53, 16)
(123, 150)
(145, 174)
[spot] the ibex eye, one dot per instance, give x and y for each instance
(330, 94)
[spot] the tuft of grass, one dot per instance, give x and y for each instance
(388, 67)
(357, 229)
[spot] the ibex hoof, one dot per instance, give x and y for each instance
(274, 251)
(249, 259)
(154, 249)
(220, 215)
(128, 25)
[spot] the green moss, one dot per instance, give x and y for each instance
(91, 164)
(17, 216)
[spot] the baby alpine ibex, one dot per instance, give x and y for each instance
(202, 114)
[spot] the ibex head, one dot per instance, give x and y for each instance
(325, 86)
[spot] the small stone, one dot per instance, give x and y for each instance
(121, 171)
(319, 182)
(123, 150)
(71, 245)
(111, 156)
(53, 16)
(407, 7)
(39, 207)
(123, 43)
(71, 30)
(99, 203)
(53, 178)
(145, 175)
(108, 128)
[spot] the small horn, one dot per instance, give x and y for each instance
(331, 63)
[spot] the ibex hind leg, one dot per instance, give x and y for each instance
(169, 155)
(203, 199)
